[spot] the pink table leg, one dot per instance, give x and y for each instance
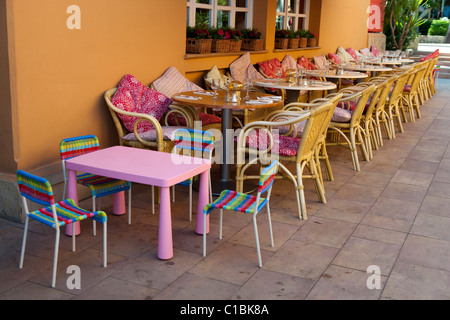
(165, 242)
(72, 193)
(203, 200)
(119, 203)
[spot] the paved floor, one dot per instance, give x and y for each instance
(392, 215)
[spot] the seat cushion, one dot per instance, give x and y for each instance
(341, 115)
(150, 135)
(283, 145)
(173, 82)
(407, 88)
(133, 96)
(432, 55)
(205, 118)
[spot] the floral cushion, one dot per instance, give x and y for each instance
(173, 82)
(352, 53)
(341, 115)
(214, 73)
(374, 51)
(269, 67)
(283, 146)
(335, 58)
(242, 68)
(306, 64)
(133, 96)
(205, 118)
(407, 88)
(289, 62)
(297, 131)
(365, 52)
(150, 135)
(320, 61)
(432, 55)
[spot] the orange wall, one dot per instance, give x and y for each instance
(61, 74)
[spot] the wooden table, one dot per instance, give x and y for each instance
(333, 74)
(293, 89)
(150, 167)
(207, 101)
(367, 68)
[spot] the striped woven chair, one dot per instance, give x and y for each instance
(194, 143)
(242, 202)
(100, 186)
(54, 215)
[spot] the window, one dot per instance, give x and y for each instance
(293, 14)
(220, 13)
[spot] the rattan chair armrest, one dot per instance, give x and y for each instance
(186, 112)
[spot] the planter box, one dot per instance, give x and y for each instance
(201, 46)
(281, 43)
(293, 43)
(303, 43)
(252, 44)
(235, 46)
(312, 42)
(221, 46)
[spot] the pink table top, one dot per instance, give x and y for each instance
(144, 166)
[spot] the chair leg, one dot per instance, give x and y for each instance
(73, 237)
(220, 224)
(24, 241)
(204, 234)
(94, 226)
(105, 246)
(269, 219)
(55, 257)
(255, 226)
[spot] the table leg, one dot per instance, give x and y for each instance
(165, 242)
(72, 193)
(119, 203)
(203, 200)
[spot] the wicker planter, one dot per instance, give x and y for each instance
(312, 42)
(303, 43)
(281, 43)
(201, 46)
(252, 44)
(235, 46)
(221, 45)
(293, 43)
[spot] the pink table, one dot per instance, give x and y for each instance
(146, 167)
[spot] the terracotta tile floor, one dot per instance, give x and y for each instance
(393, 214)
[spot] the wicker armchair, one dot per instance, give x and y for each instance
(158, 143)
(412, 94)
(352, 128)
(286, 148)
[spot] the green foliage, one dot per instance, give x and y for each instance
(438, 28)
(251, 34)
(423, 29)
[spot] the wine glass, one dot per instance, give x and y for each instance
(215, 86)
(278, 73)
(248, 84)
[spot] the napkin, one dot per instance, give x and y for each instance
(188, 97)
(205, 93)
(270, 98)
(261, 101)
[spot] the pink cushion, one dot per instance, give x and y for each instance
(173, 82)
(407, 88)
(320, 61)
(205, 118)
(289, 62)
(283, 146)
(242, 68)
(133, 96)
(365, 52)
(335, 58)
(374, 51)
(305, 63)
(150, 135)
(341, 115)
(432, 55)
(352, 53)
(268, 67)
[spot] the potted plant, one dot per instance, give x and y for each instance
(235, 40)
(312, 39)
(221, 40)
(281, 39)
(293, 39)
(252, 40)
(303, 42)
(198, 39)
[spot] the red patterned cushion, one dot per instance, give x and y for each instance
(283, 146)
(374, 51)
(268, 67)
(432, 55)
(407, 88)
(335, 58)
(305, 63)
(352, 53)
(205, 118)
(133, 96)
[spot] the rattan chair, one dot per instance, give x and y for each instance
(394, 105)
(159, 142)
(411, 95)
(258, 144)
(54, 214)
(352, 128)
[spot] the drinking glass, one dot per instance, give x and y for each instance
(215, 86)
(278, 73)
(248, 84)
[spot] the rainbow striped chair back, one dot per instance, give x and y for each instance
(198, 144)
(246, 203)
(54, 215)
(73, 147)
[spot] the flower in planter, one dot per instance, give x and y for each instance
(235, 34)
(251, 34)
(220, 33)
(198, 32)
(281, 33)
(293, 34)
(311, 35)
